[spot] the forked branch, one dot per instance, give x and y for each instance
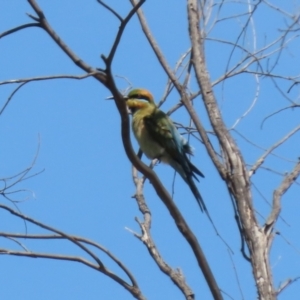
(79, 242)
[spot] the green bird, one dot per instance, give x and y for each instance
(159, 138)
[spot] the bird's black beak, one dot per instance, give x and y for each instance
(112, 97)
(125, 98)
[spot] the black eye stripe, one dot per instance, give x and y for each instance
(139, 96)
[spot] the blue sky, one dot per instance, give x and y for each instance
(86, 185)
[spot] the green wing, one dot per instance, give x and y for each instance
(162, 129)
(164, 132)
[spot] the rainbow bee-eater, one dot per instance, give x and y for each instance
(159, 138)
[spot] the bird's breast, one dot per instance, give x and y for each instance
(148, 145)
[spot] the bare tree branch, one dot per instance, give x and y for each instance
(284, 186)
(10, 97)
(79, 239)
(120, 32)
(111, 10)
(286, 284)
(262, 148)
(13, 30)
(278, 111)
(79, 62)
(134, 289)
(39, 78)
(236, 176)
(261, 160)
(176, 276)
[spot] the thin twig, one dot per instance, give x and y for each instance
(236, 276)
(277, 112)
(134, 290)
(49, 77)
(77, 238)
(111, 10)
(261, 160)
(285, 284)
(13, 30)
(79, 62)
(10, 97)
(124, 23)
(286, 183)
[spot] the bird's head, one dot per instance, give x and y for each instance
(139, 99)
